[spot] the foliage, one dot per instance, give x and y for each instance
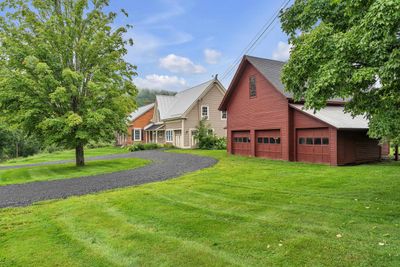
(14, 143)
(207, 139)
(242, 211)
(347, 49)
(141, 146)
(148, 96)
(67, 171)
(64, 76)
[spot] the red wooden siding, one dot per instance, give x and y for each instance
(357, 147)
(240, 143)
(140, 123)
(317, 150)
(268, 110)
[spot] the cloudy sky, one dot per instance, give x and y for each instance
(179, 44)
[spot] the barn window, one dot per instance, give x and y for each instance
(317, 141)
(325, 141)
(309, 141)
(259, 140)
(272, 140)
(302, 141)
(278, 140)
(266, 140)
(240, 139)
(252, 86)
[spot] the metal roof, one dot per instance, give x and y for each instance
(336, 116)
(139, 112)
(153, 127)
(175, 106)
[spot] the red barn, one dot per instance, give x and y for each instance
(264, 121)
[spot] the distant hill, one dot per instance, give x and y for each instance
(148, 96)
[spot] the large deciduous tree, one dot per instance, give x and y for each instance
(63, 73)
(347, 49)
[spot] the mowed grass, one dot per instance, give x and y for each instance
(65, 171)
(63, 155)
(241, 212)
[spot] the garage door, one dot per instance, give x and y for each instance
(313, 145)
(241, 143)
(268, 144)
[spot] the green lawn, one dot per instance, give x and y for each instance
(64, 155)
(62, 171)
(243, 211)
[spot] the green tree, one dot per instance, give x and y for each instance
(351, 50)
(63, 73)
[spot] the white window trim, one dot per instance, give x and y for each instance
(172, 136)
(222, 118)
(208, 112)
(134, 134)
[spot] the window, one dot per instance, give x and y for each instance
(240, 139)
(224, 115)
(325, 141)
(252, 86)
(278, 140)
(317, 141)
(137, 134)
(235, 139)
(169, 136)
(210, 131)
(205, 112)
(309, 141)
(302, 141)
(266, 140)
(259, 140)
(272, 140)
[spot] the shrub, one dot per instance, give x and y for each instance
(140, 146)
(151, 146)
(207, 139)
(168, 146)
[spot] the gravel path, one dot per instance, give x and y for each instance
(164, 166)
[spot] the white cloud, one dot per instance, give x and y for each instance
(282, 52)
(212, 56)
(178, 64)
(155, 81)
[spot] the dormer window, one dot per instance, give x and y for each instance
(252, 86)
(205, 112)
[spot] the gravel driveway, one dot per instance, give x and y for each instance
(164, 166)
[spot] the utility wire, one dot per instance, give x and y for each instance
(256, 40)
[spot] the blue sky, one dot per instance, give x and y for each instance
(179, 44)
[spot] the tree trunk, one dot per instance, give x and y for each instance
(396, 153)
(79, 155)
(16, 150)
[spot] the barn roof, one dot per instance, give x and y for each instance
(335, 116)
(139, 112)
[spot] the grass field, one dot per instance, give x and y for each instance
(63, 171)
(64, 155)
(241, 212)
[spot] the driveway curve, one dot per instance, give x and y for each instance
(163, 166)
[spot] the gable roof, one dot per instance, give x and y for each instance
(139, 112)
(270, 69)
(335, 116)
(171, 107)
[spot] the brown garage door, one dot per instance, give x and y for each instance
(268, 144)
(313, 145)
(241, 143)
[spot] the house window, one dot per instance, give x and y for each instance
(169, 135)
(278, 140)
(252, 86)
(205, 112)
(266, 139)
(137, 134)
(317, 141)
(302, 141)
(272, 140)
(325, 141)
(224, 115)
(259, 140)
(309, 141)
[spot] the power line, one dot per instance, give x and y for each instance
(256, 40)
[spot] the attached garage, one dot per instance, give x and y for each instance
(241, 143)
(268, 144)
(313, 145)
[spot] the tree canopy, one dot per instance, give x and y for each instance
(350, 50)
(148, 96)
(63, 73)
